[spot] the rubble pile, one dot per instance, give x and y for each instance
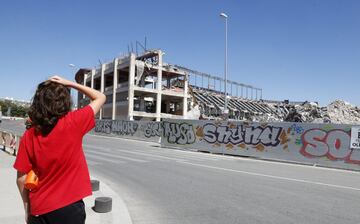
(266, 118)
(341, 112)
(337, 112)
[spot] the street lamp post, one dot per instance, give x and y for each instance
(73, 94)
(223, 15)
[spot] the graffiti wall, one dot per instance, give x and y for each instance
(322, 144)
(140, 130)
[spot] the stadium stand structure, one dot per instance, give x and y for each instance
(212, 105)
(143, 86)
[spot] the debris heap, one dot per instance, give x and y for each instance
(342, 112)
(337, 112)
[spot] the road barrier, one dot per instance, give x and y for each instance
(316, 144)
(307, 143)
(139, 130)
(9, 142)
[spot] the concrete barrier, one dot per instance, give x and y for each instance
(9, 142)
(139, 130)
(320, 144)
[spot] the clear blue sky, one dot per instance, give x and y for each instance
(293, 49)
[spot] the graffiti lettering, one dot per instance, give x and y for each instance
(117, 127)
(334, 144)
(124, 127)
(268, 136)
(103, 126)
(152, 129)
(296, 129)
(179, 133)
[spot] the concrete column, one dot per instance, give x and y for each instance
(85, 77)
(142, 104)
(142, 82)
(79, 99)
(82, 101)
(159, 86)
(102, 86)
(185, 99)
(115, 83)
(131, 86)
(168, 106)
(92, 78)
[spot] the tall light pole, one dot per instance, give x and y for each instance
(223, 15)
(74, 97)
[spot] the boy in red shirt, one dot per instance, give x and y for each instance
(52, 148)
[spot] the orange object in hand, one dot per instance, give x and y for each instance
(32, 181)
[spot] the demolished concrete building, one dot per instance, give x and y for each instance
(144, 87)
(139, 87)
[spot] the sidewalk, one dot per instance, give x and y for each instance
(12, 211)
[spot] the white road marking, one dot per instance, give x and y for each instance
(137, 153)
(159, 153)
(156, 156)
(171, 154)
(162, 148)
(273, 177)
(116, 156)
(289, 163)
(114, 152)
(249, 159)
(183, 154)
(215, 156)
(120, 138)
(96, 159)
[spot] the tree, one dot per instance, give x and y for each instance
(16, 110)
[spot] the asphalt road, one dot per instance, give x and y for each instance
(167, 186)
(16, 126)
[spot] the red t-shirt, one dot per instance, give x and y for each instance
(58, 160)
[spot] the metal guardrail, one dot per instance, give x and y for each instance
(9, 142)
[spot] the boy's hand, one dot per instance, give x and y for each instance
(60, 80)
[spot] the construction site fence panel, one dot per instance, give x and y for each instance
(9, 142)
(316, 144)
(138, 130)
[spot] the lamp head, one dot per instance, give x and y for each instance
(223, 15)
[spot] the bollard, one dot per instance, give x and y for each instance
(103, 204)
(95, 185)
